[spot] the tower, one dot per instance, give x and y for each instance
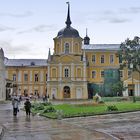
(2, 76)
(86, 39)
(67, 69)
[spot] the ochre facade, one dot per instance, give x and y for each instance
(75, 67)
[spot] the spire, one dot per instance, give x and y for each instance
(86, 39)
(2, 53)
(86, 32)
(68, 21)
(49, 55)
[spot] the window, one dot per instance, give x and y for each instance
(102, 59)
(36, 77)
(54, 73)
(111, 59)
(93, 74)
(121, 73)
(66, 48)
(25, 77)
(79, 72)
(46, 76)
(66, 72)
(14, 77)
(129, 73)
(36, 93)
(102, 74)
(93, 58)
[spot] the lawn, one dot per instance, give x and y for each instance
(72, 110)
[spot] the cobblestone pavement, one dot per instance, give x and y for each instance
(40, 128)
(125, 126)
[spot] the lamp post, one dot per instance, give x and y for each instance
(131, 67)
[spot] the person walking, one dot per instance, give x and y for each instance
(27, 106)
(15, 103)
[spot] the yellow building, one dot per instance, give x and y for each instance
(76, 70)
(28, 75)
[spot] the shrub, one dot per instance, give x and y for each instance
(112, 108)
(38, 106)
(49, 109)
(46, 103)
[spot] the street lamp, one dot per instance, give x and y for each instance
(131, 67)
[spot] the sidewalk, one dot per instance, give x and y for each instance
(40, 128)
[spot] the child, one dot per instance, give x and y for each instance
(27, 106)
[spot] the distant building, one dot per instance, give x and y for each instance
(2, 76)
(75, 70)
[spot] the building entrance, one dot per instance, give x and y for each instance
(66, 92)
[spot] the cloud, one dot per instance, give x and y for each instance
(130, 10)
(5, 28)
(28, 50)
(26, 14)
(40, 28)
(14, 49)
(115, 19)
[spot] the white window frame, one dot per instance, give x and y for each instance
(26, 77)
(102, 74)
(103, 59)
(111, 58)
(93, 77)
(14, 77)
(67, 50)
(36, 78)
(94, 59)
(66, 72)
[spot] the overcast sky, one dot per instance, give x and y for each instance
(27, 27)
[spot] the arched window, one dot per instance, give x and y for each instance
(54, 73)
(79, 73)
(67, 48)
(66, 72)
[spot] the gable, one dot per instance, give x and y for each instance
(69, 59)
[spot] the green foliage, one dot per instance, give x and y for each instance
(69, 110)
(38, 106)
(46, 103)
(118, 87)
(49, 109)
(112, 108)
(129, 53)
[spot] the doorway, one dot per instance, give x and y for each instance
(66, 92)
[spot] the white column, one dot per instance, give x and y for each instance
(135, 90)
(84, 72)
(60, 72)
(72, 71)
(30, 76)
(125, 93)
(19, 76)
(138, 89)
(72, 46)
(41, 76)
(61, 46)
(48, 78)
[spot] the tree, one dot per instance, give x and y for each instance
(129, 53)
(118, 88)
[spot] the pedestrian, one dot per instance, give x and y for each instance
(27, 106)
(15, 103)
